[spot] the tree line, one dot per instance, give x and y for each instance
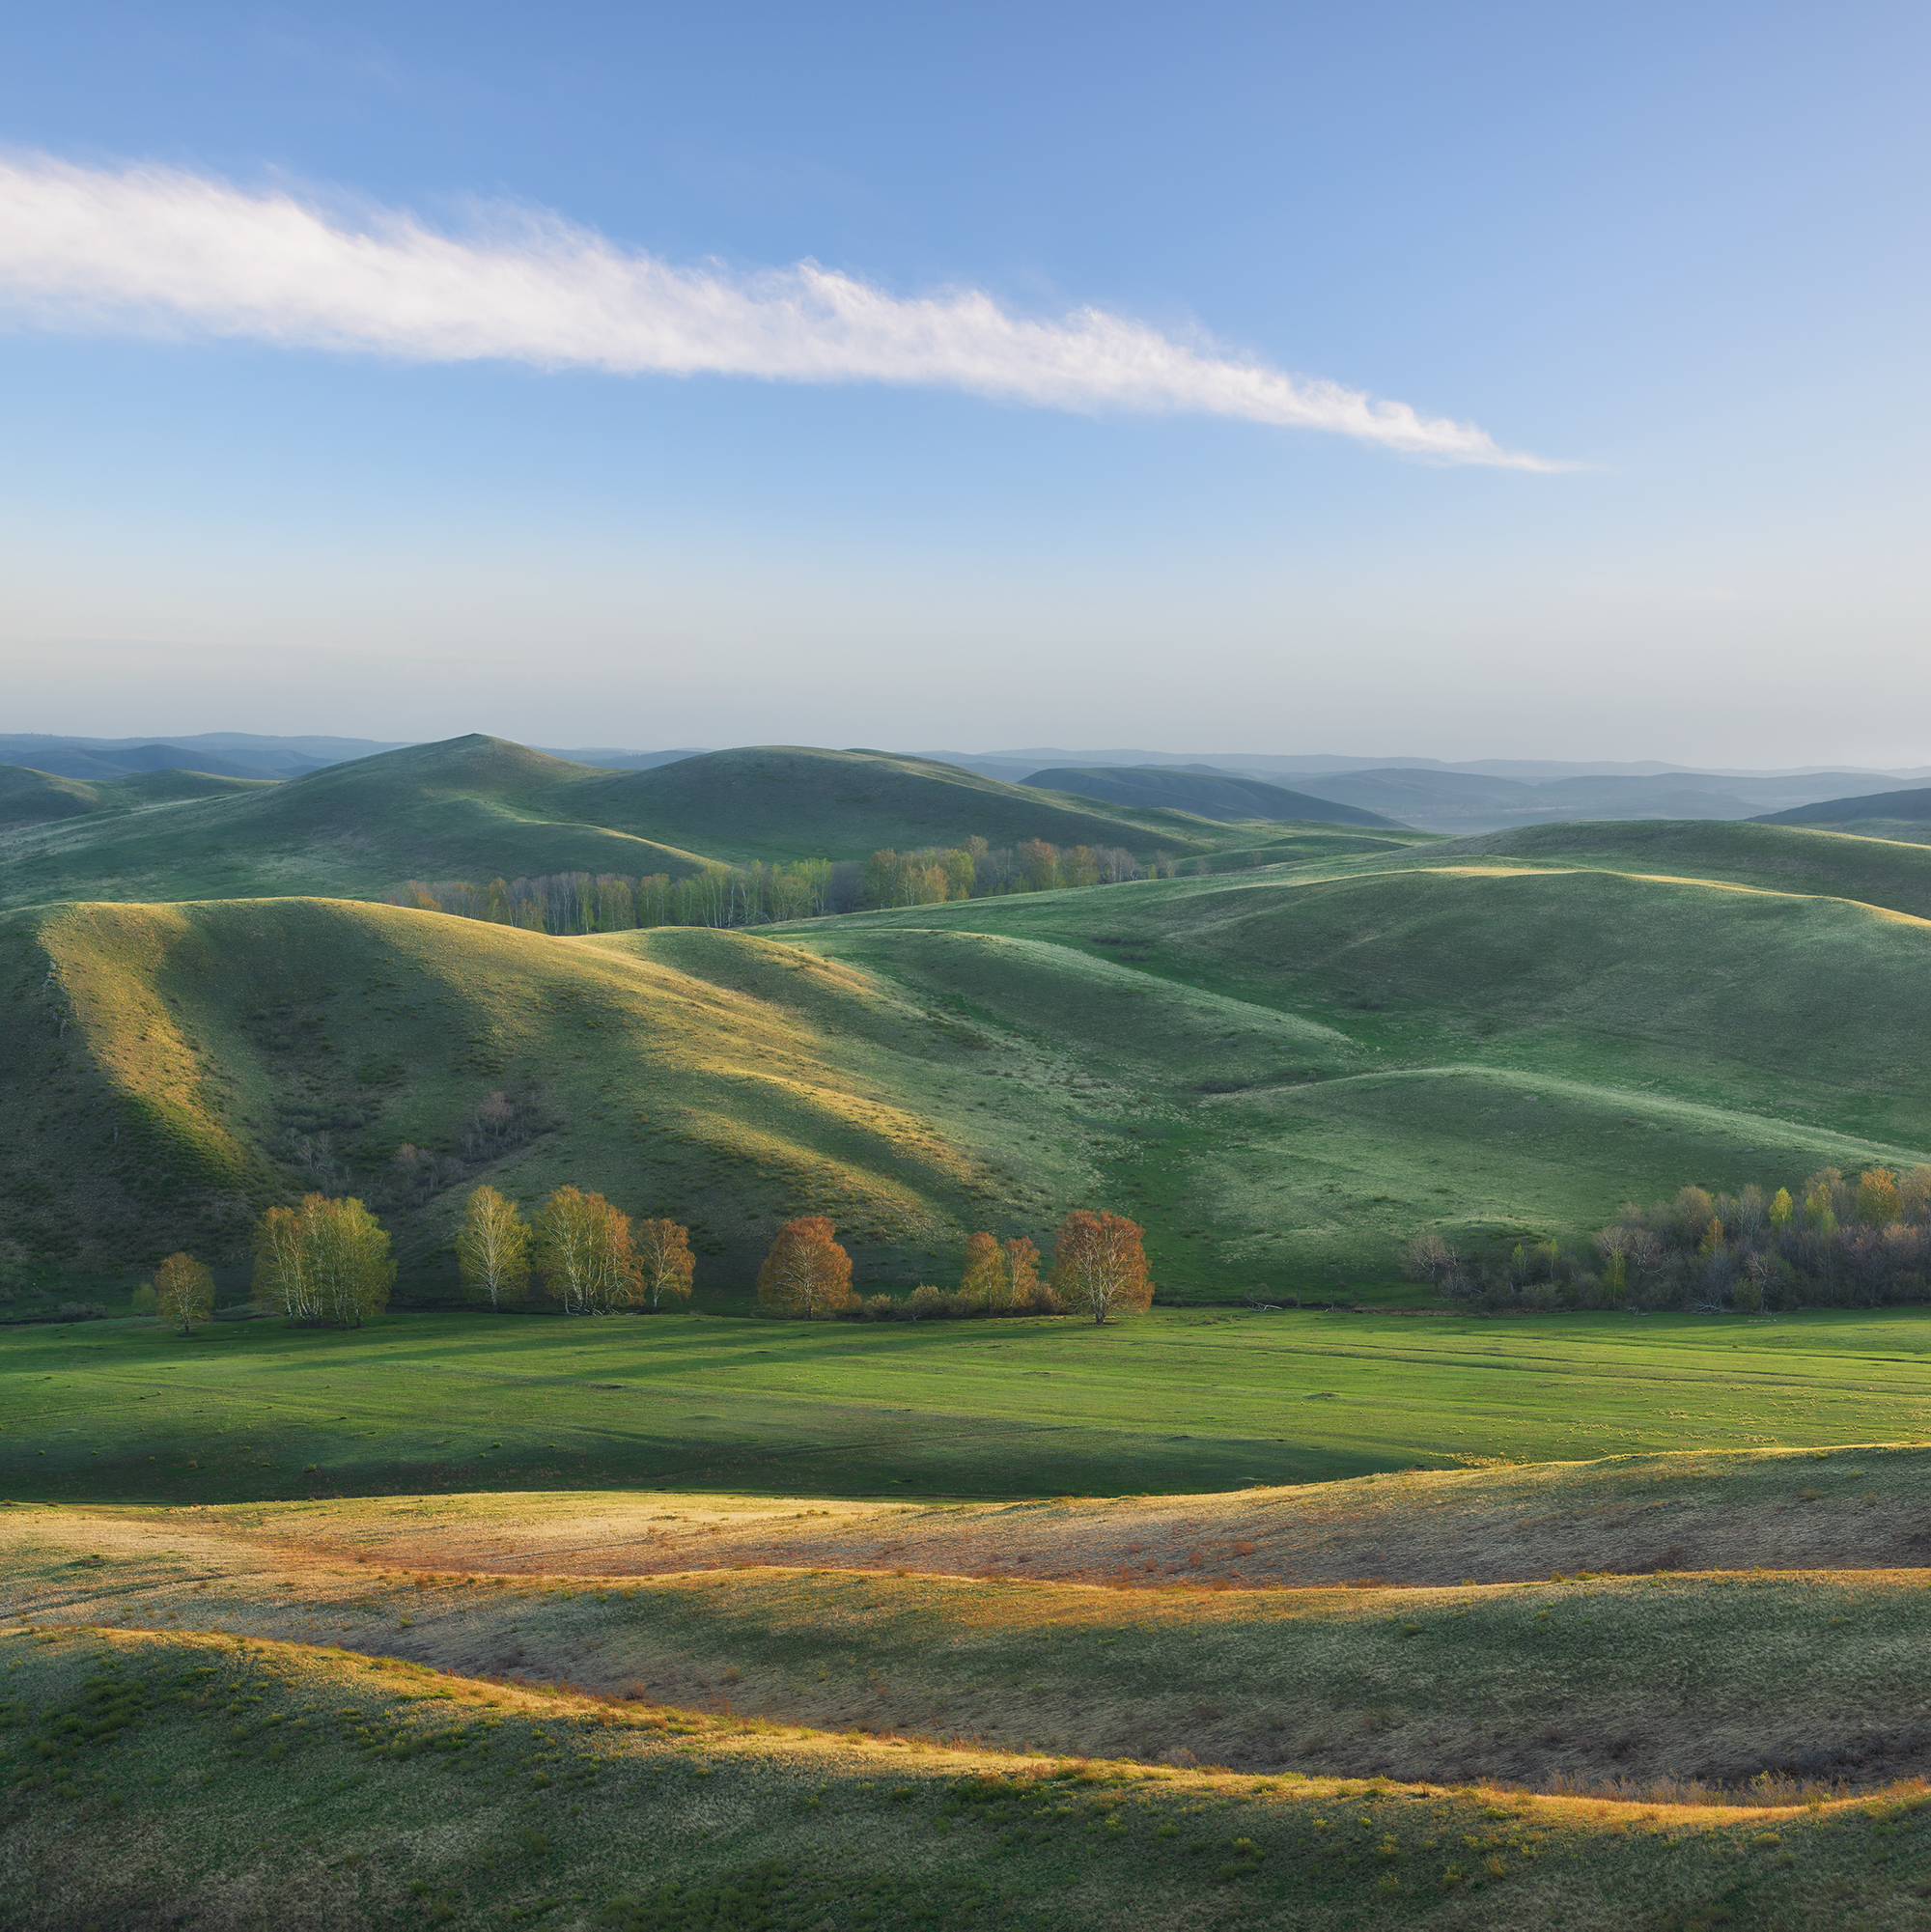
(763, 895)
(1834, 1241)
(325, 1262)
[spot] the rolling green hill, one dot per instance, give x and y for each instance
(1283, 1075)
(1209, 795)
(1833, 863)
(471, 807)
(30, 797)
(1286, 1070)
(480, 808)
(788, 801)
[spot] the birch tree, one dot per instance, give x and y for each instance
(806, 1273)
(184, 1292)
(1099, 1265)
(494, 1248)
(665, 1262)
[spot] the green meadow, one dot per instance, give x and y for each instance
(296, 1785)
(1174, 1403)
(1357, 1612)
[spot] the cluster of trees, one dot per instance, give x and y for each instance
(761, 895)
(606, 902)
(1099, 1271)
(1834, 1241)
(326, 1263)
(975, 870)
(180, 1294)
(585, 1252)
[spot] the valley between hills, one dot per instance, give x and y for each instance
(1318, 1595)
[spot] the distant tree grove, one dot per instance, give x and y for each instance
(761, 895)
(1832, 1242)
(325, 1262)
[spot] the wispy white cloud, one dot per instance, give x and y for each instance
(157, 250)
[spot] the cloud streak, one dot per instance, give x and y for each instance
(150, 250)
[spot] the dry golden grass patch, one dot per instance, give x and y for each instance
(1846, 1508)
(1807, 1679)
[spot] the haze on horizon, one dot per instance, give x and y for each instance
(1502, 386)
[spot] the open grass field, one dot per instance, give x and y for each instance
(1174, 1403)
(1218, 1618)
(213, 1783)
(1764, 1683)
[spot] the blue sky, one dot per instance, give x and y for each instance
(1675, 255)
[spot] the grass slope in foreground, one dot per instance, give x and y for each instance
(1177, 1402)
(210, 1784)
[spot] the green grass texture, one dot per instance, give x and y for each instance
(480, 808)
(153, 1775)
(1286, 1070)
(1172, 1403)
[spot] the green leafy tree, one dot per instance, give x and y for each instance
(1877, 1197)
(1021, 1287)
(184, 1292)
(494, 1248)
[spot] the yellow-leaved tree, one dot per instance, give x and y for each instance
(584, 1253)
(985, 1272)
(184, 1292)
(665, 1262)
(806, 1273)
(494, 1248)
(325, 1261)
(1020, 1286)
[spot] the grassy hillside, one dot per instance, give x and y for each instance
(1209, 795)
(473, 807)
(480, 808)
(1526, 1046)
(1424, 1684)
(158, 1058)
(196, 1780)
(1777, 858)
(793, 801)
(29, 797)
(1284, 1074)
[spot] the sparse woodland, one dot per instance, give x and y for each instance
(763, 895)
(326, 1263)
(1835, 1240)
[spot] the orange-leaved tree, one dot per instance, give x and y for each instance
(584, 1253)
(806, 1273)
(184, 1292)
(494, 1248)
(985, 1274)
(1099, 1266)
(665, 1261)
